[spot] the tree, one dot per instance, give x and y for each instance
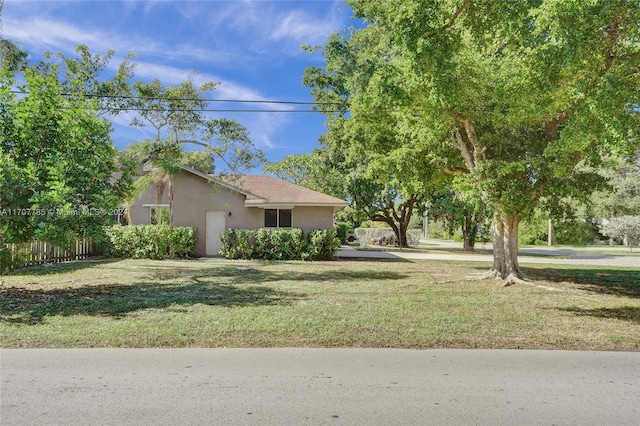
(12, 58)
(457, 212)
(385, 171)
(56, 162)
(525, 93)
(624, 227)
(84, 77)
(311, 170)
(203, 161)
(176, 114)
(622, 196)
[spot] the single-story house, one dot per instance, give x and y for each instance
(211, 205)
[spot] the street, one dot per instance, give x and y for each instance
(317, 386)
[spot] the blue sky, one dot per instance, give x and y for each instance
(251, 47)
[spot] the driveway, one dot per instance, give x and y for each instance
(318, 387)
(549, 255)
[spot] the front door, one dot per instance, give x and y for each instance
(216, 225)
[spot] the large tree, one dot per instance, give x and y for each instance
(57, 161)
(386, 173)
(526, 93)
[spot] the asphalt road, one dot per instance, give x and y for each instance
(317, 387)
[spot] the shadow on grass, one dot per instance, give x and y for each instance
(63, 267)
(602, 280)
(254, 274)
(625, 313)
(619, 282)
(168, 286)
(24, 306)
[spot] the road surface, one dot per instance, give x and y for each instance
(317, 387)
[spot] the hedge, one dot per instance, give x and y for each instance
(279, 244)
(151, 241)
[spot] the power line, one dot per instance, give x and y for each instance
(132, 97)
(228, 110)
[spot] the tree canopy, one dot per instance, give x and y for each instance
(514, 99)
(57, 162)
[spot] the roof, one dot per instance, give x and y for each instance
(275, 191)
(266, 191)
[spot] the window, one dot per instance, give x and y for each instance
(278, 218)
(163, 219)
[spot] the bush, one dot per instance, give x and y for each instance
(151, 241)
(576, 232)
(12, 258)
(343, 229)
(279, 244)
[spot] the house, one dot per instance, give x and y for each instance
(212, 204)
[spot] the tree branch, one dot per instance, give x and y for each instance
(470, 130)
(455, 15)
(451, 171)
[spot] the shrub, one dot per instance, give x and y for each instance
(151, 241)
(279, 244)
(322, 244)
(342, 231)
(576, 232)
(12, 257)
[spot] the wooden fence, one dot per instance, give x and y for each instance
(39, 252)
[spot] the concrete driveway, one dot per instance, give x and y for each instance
(546, 255)
(318, 387)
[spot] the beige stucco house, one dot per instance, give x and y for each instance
(211, 205)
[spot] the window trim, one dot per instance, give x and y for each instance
(278, 218)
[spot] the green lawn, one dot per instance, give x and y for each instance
(215, 303)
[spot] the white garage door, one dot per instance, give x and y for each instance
(216, 224)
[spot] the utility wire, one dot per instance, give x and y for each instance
(257, 101)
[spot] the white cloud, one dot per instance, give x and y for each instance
(247, 37)
(44, 34)
(300, 26)
(40, 34)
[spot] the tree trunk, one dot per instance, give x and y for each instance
(400, 231)
(505, 250)
(469, 232)
(402, 235)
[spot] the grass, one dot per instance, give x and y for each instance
(216, 303)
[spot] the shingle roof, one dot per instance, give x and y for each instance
(275, 191)
(267, 191)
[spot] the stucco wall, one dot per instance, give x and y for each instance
(309, 218)
(194, 196)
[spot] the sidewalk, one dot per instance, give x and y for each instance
(550, 255)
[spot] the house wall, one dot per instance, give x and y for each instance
(309, 218)
(193, 196)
